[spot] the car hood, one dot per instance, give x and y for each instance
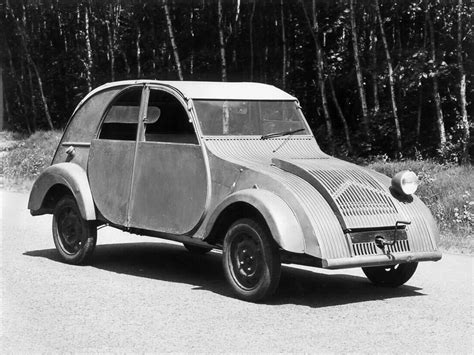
(357, 199)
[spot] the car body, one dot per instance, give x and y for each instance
(230, 166)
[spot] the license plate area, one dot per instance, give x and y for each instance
(363, 242)
(369, 236)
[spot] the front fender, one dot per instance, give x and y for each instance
(69, 175)
(282, 222)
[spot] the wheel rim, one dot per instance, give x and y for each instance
(391, 269)
(70, 230)
(247, 261)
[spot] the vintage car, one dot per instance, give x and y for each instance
(230, 166)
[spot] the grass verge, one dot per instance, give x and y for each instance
(448, 190)
(23, 158)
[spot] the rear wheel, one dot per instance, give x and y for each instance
(74, 237)
(251, 260)
(390, 276)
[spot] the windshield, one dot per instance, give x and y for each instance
(219, 117)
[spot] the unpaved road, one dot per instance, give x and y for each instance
(147, 295)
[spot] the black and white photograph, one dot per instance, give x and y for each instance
(236, 176)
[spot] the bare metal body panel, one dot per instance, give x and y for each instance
(82, 128)
(110, 174)
(170, 187)
(68, 175)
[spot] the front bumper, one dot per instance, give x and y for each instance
(380, 260)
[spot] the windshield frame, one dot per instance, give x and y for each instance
(308, 134)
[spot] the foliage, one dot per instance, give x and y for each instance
(129, 39)
(24, 158)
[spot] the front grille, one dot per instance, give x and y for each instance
(360, 249)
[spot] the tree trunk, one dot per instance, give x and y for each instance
(314, 29)
(125, 62)
(110, 50)
(283, 43)
(21, 96)
(191, 61)
(436, 96)
(252, 59)
(462, 90)
(139, 36)
(390, 79)
(360, 79)
(172, 40)
(112, 23)
(419, 115)
(88, 49)
(62, 32)
(373, 55)
(341, 115)
(34, 117)
(221, 40)
(420, 85)
(8, 117)
(2, 117)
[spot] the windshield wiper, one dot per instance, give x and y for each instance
(281, 134)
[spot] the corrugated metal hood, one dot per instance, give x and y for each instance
(357, 199)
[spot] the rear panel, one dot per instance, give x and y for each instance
(82, 128)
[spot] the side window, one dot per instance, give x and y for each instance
(167, 120)
(121, 120)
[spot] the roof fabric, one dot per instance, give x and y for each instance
(213, 90)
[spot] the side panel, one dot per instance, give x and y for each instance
(170, 187)
(281, 220)
(110, 174)
(69, 175)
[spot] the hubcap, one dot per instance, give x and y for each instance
(70, 230)
(246, 258)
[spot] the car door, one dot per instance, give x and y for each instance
(169, 188)
(112, 154)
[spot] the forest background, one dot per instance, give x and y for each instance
(384, 83)
(374, 78)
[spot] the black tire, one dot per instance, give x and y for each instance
(196, 249)
(390, 276)
(251, 260)
(74, 237)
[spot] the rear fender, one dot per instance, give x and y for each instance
(68, 175)
(282, 222)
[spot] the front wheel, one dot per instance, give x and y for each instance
(74, 237)
(251, 260)
(390, 276)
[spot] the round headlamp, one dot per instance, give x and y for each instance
(405, 182)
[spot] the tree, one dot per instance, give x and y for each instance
(462, 88)
(314, 29)
(360, 79)
(390, 79)
(88, 64)
(220, 24)
(172, 40)
(434, 75)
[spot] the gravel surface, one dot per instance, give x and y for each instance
(147, 295)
